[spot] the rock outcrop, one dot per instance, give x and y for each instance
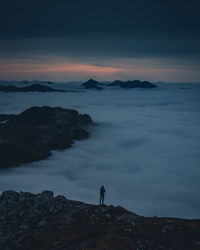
(42, 221)
(31, 135)
(34, 87)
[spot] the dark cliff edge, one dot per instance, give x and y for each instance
(32, 134)
(42, 221)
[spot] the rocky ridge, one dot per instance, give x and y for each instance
(32, 134)
(92, 84)
(42, 221)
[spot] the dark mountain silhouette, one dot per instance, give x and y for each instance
(42, 221)
(133, 84)
(127, 84)
(9, 88)
(31, 135)
(91, 84)
(34, 87)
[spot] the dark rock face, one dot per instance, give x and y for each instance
(5, 118)
(34, 87)
(31, 135)
(133, 84)
(91, 84)
(33, 222)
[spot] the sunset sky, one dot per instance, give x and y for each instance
(75, 40)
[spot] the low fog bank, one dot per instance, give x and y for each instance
(144, 149)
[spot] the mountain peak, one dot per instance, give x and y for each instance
(91, 84)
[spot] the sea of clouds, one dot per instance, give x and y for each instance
(144, 148)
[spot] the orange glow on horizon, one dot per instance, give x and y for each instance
(14, 66)
(60, 70)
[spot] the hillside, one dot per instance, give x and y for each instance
(42, 221)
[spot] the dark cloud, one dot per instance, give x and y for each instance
(100, 31)
(135, 27)
(108, 46)
(62, 18)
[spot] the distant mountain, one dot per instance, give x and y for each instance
(92, 84)
(133, 84)
(35, 82)
(34, 87)
(9, 89)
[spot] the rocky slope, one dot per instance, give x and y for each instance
(31, 135)
(45, 222)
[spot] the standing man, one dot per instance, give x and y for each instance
(102, 191)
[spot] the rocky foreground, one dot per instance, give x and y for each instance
(45, 222)
(32, 134)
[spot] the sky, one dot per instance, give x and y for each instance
(62, 40)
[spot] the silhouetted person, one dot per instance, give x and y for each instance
(102, 191)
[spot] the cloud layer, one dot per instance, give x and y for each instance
(144, 149)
